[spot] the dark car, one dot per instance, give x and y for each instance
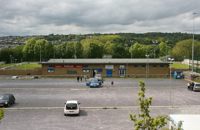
(7, 100)
(178, 75)
(94, 83)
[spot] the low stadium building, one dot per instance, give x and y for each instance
(106, 67)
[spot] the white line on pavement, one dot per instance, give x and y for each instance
(103, 107)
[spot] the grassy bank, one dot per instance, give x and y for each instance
(177, 65)
(21, 66)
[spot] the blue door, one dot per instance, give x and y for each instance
(109, 73)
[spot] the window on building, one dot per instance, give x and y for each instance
(161, 65)
(71, 72)
(50, 65)
(86, 70)
(50, 69)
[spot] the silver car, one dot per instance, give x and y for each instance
(194, 86)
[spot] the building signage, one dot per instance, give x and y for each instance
(69, 66)
(109, 67)
(59, 66)
(78, 66)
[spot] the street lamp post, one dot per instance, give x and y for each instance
(171, 60)
(170, 67)
(40, 54)
(75, 57)
(193, 30)
(11, 59)
(147, 65)
(154, 49)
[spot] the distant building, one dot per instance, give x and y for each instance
(106, 67)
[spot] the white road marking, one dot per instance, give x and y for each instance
(103, 107)
(80, 89)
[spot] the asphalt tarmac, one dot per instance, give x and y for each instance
(39, 103)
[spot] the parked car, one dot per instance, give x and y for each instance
(35, 77)
(72, 107)
(94, 83)
(14, 77)
(178, 75)
(194, 86)
(7, 100)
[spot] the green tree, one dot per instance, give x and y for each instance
(119, 51)
(6, 55)
(144, 121)
(60, 50)
(92, 48)
(28, 49)
(183, 49)
(43, 47)
(70, 50)
(1, 114)
(108, 48)
(79, 50)
(163, 49)
(36, 49)
(17, 53)
(138, 50)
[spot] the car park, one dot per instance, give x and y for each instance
(7, 100)
(194, 86)
(94, 83)
(72, 107)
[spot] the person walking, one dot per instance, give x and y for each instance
(77, 78)
(112, 83)
(81, 77)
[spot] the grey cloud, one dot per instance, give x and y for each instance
(85, 16)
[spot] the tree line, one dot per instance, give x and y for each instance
(97, 46)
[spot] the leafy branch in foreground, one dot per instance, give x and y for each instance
(1, 113)
(144, 121)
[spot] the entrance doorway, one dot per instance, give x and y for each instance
(122, 72)
(109, 73)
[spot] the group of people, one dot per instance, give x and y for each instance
(190, 84)
(80, 78)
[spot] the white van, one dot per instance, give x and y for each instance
(72, 108)
(189, 122)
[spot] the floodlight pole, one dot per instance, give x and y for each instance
(193, 30)
(40, 54)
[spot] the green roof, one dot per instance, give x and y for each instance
(104, 61)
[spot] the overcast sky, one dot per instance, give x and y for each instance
(36, 17)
